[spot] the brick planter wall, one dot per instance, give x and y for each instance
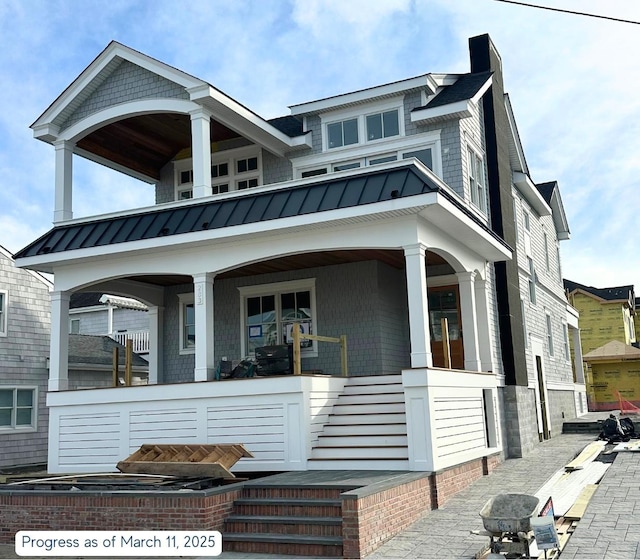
(373, 514)
(56, 512)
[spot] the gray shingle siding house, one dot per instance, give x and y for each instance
(376, 214)
(25, 323)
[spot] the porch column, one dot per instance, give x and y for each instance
(63, 183)
(201, 152)
(59, 349)
(577, 355)
(203, 311)
(484, 326)
(466, 285)
(418, 305)
(156, 336)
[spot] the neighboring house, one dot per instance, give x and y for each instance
(25, 322)
(606, 314)
(615, 374)
(119, 317)
(91, 362)
(373, 214)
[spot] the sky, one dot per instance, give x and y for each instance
(571, 79)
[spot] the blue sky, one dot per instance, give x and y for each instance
(572, 81)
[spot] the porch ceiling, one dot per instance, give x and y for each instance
(146, 143)
(394, 258)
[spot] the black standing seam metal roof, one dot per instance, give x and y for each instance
(464, 88)
(332, 194)
(614, 293)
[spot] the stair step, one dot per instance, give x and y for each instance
(270, 492)
(373, 389)
(365, 429)
(371, 398)
(362, 417)
(372, 464)
(374, 380)
(298, 545)
(351, 452)
(357, 440)
(284, 525)
(288, 507)
(339, 408)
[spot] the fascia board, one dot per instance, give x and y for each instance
(363, 96)
(113, 50)
(515, 136)
(460, 109)
(559, 216)
(531, 193)
(244, 121)
(483, 89)
(573, 316)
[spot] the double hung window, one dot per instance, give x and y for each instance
(477, 182)
(3, 313)
(17, 407)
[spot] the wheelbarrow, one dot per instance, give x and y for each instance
(507, 522)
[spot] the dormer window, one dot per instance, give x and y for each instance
(342, 133)
(382, 125)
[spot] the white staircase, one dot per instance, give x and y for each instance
(367, 428)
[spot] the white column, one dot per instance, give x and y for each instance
(201, 152)
(485, 336)
(577, 355)
(203, 311)
(156, 334)
(416, 271)
(64, 172)
(59, 349)
(466, 285)
(110, 319)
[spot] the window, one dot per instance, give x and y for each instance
(381, 159)
(549, 335)
(343, 133)
(187, 324)
(423, 155)
(230, 170)
(382, 125)
(17, 408)
(546, 251)
(3, 313)
(476, 181)
(559, 263)
(524, 323)
(269, 312)
(75, 326)
(345, 166)
(314, 172)
(527, 221)
(532, 281)
(565, 332)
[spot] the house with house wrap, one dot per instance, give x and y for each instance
(372, 215)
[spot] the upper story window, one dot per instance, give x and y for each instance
(17, 407)
(546, 251)
(3, 313)
(549, 335)
(382, 125)
(187, 324)
(342, 133)
(532, 281)
(230, 170)
(477, 182)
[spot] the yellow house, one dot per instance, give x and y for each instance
(615, 370)
(606, 315)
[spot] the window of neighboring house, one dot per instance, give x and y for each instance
(476, 181)
(549, 335)
(17, 408)
(559, 263)
(546, 251)
(532, 281)
(269, 312)
(342, 133)
(382, 125)
(75, 326)
(187, 324)
(3, 312)
(565, 332)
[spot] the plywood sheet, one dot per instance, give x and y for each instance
(576, 511)
(588, 455)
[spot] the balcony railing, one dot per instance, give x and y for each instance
(140, 340)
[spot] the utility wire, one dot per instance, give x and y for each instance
(568, 11)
